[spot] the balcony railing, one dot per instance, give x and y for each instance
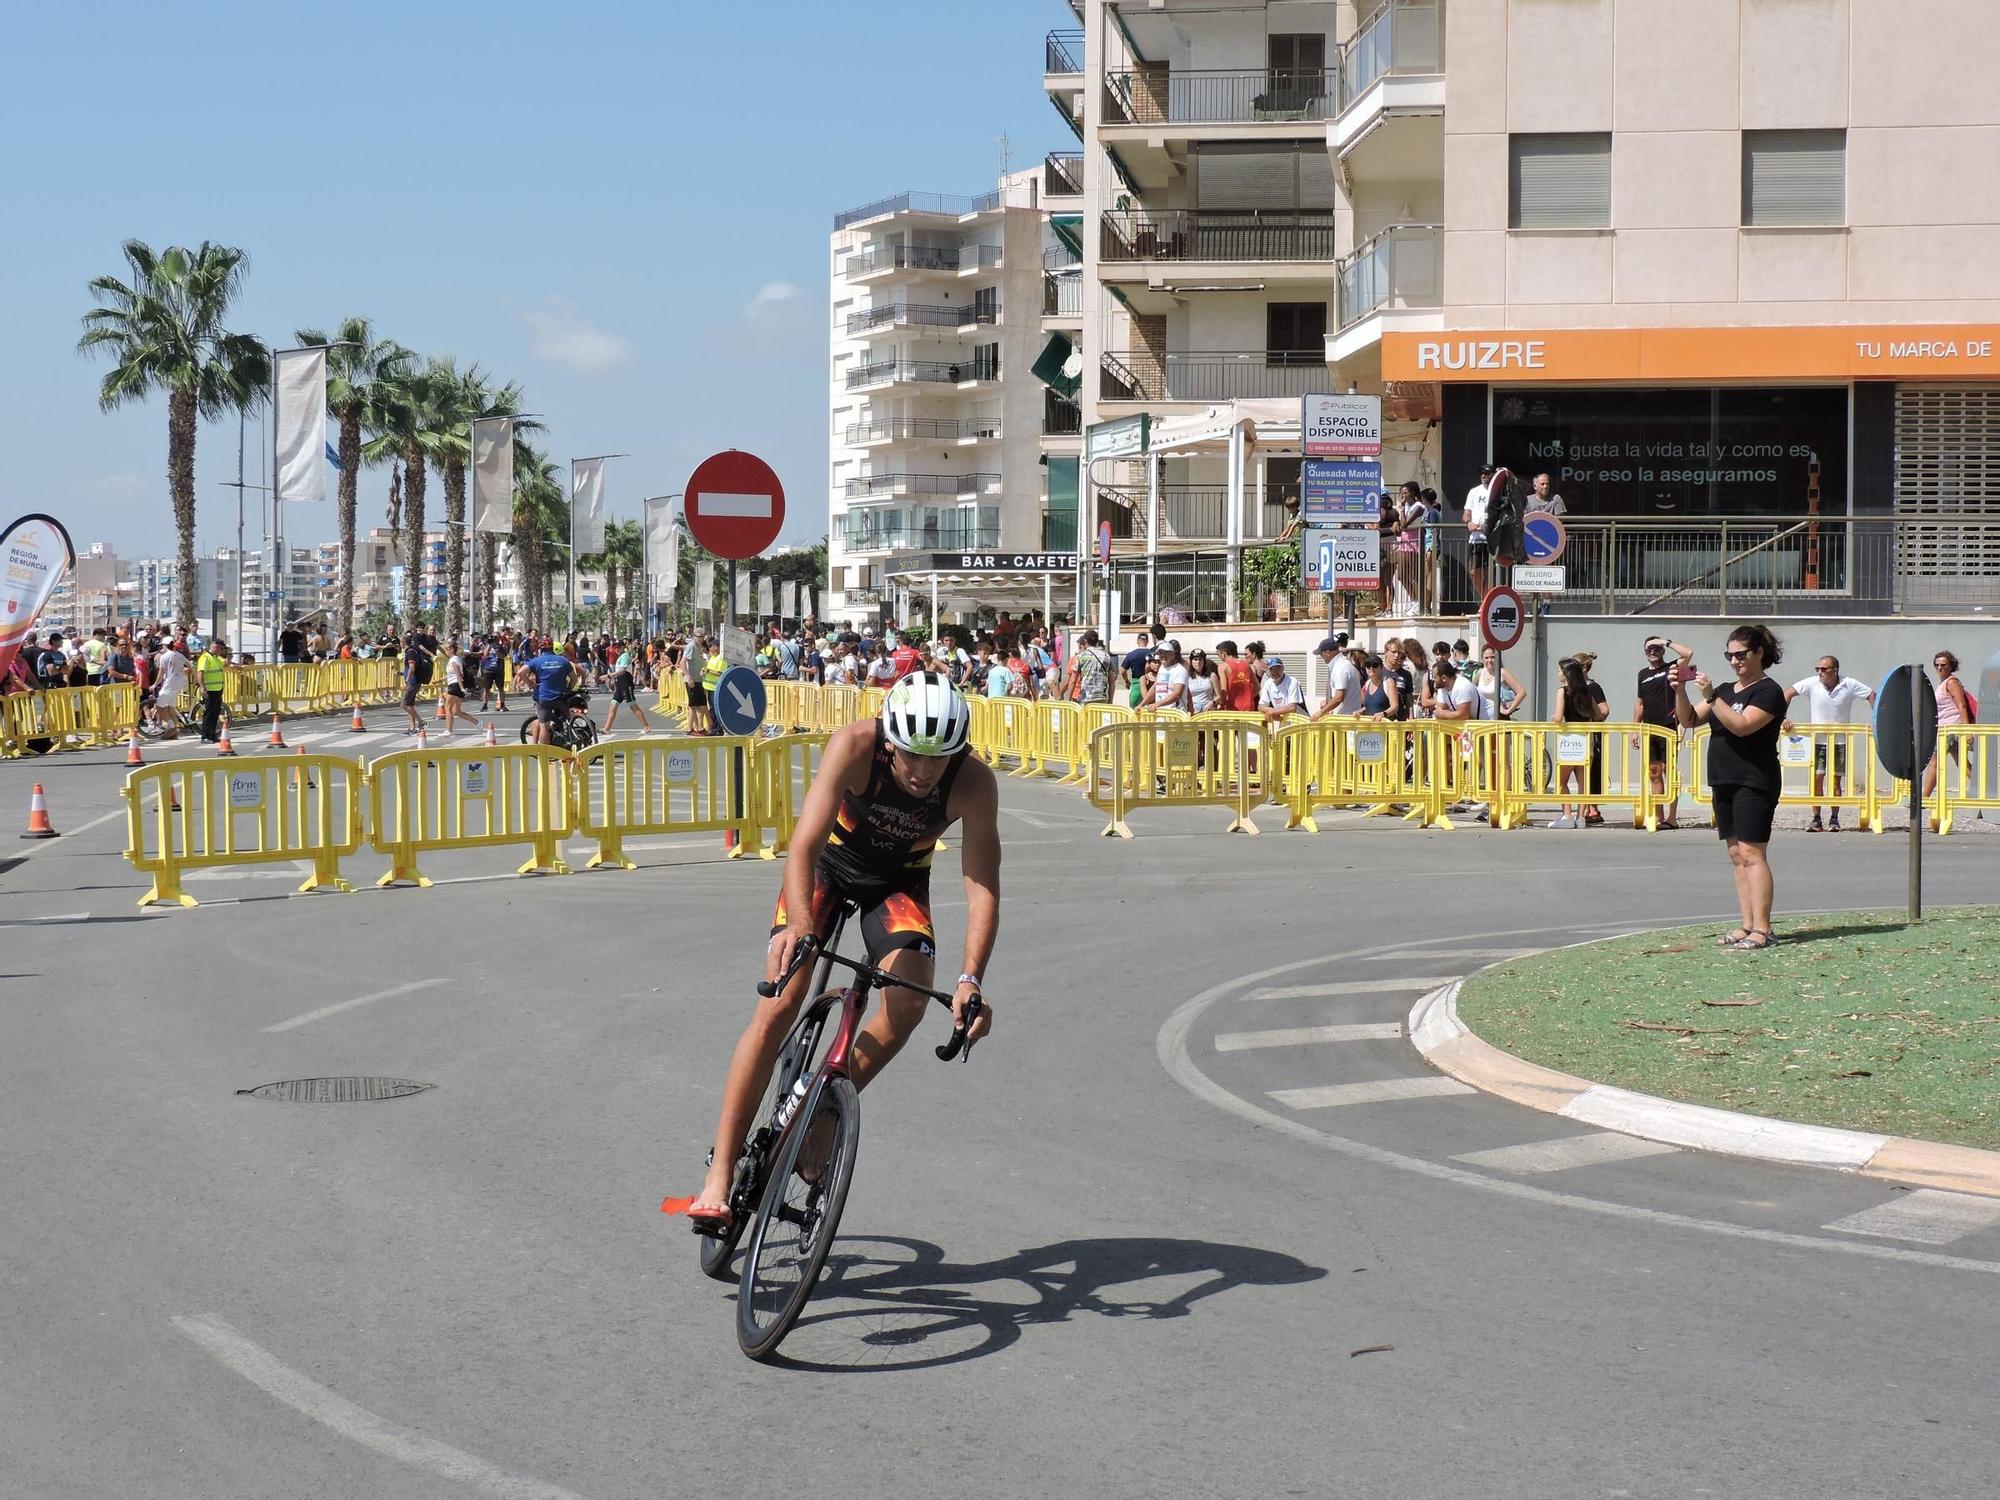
(1213, 375)
(1400, 39)
(957, 205)
(1060, 258)
(1397, 268)
(1062, 52)
(1196, 512)
(940, 536)
(1062, 174)
(944, 429)
(904, 315)
(903, 258)
(1061, 295)
(1218, 234)
(1155, 94)
(978, 257)
(893, 371)
(919, 484)
(1061, 417)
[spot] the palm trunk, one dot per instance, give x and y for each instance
(350, 479)
(180, 487)
(454, 546)
(395, 502)
(489, 566)
(413, 533)
(611, 596)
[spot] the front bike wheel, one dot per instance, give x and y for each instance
(528, 730)
(799, 1215)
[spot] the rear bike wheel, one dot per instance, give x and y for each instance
(799, 1059)
(799, 1216)
(528, 730)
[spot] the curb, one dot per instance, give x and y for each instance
(1451, 1047)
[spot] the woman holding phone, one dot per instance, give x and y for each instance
(1745, 719)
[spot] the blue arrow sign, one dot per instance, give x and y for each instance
(738, 701)
(1542, 536)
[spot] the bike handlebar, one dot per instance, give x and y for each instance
(957, 1045)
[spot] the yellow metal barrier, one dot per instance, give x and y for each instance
(669, 784)
(1173, 761)
(785, 767)
(1515, 766)
(1061, 739)
(841, 706)
(1843, 751)
(262, 809)
(1968, 772)
(1387, 767)
(673, 700)
(470, 798)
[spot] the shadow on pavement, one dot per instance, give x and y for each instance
(911, 1309)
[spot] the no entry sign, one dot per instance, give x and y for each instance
(735, 505)
(1501, 615)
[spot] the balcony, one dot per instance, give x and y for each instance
(1062, 54)
(1390, 126)
(976, 258)
(883, 260)
(1220, 235)
(920, 429)
(911, 315)
(890, 372)
(1397, 272)
(1193, 513)
(946, 205)
(1061, 417)
(1154, 94)
(898, 535)
(1213, 375)
(1062, 174)
(1062, 296)
(870, 485)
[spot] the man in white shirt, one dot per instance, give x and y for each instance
(1170, 680)
(1542, 498)
(1280, 696)
(172, 668)
(1476, 501)
(1830, 699)
(1344, 688)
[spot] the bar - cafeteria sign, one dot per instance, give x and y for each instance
(1905, 352)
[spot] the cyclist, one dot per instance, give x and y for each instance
(550, 672)
(884, 793)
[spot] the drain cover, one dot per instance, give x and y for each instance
(337, 1090)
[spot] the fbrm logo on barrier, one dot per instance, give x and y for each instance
(1481, 354)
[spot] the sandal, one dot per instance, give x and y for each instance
(1733, 939)
(1756, 940)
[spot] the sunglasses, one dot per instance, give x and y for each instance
(1735, 655)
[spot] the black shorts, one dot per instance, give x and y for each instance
(1744, 813)
(621, 690)
(894, 914)
(1658, 751)
(490, 680)
(456, 690)
(410, 687)
(1476, 554)
(545, 713)
(697, 695)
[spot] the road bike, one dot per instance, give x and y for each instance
(573, 729)
(794, 1170)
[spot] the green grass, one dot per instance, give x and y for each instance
(1855, 1019)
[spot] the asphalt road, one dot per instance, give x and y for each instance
(1195, 1221)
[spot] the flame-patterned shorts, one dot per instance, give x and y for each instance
(893, 916)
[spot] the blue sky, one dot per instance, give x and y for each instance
(624, 207)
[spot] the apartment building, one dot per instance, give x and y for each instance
(1711, 263)
(936, 421)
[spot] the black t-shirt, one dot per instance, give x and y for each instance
(1406, 687)
(1747, 759)
(1656, 697)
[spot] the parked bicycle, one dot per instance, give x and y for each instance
(793, 1174)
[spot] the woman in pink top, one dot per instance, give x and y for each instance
(1952, 708)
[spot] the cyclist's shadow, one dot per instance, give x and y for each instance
(885, 1302)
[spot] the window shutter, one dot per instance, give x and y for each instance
(1794, 177)
(1559, 181)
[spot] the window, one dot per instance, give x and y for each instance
(1297, 52)
(1295, 333)
(1794, 177)
(1559, 181)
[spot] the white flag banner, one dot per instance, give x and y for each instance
(493, 474)
(704, 583)
(586, 505)
(740, 605)
(663, 548)
(299, 388)
(766, 605)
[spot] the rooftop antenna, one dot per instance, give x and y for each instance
(1006, 157)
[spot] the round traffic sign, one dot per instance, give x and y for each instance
(735, 505)
(1904, 742)
(1543, 536)
(1501, 617)
(738, 701)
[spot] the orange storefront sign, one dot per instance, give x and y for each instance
(1905, 352)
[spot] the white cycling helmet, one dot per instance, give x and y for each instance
(925, 715)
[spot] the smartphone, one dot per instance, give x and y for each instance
(1682, 671)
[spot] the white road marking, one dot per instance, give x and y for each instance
(334, 1010)
(1567, 1152)
(45, 845)
(350, 740)
(357, 1423)
(1379, 1091)
(1306, 1036)
(1927, 1216)
(1428, 955)
(1348, 987)
(290, 870)
(66, 916)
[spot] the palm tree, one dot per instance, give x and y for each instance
(353, 374)
(624, 554)
(541, 517)
(407, 421)
(465, 397)
(163, 330)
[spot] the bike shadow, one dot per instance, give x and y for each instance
(909, 1307)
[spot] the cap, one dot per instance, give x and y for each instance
(1276, 664)
(1335, 642)
(1171, 645)
(1486, 468)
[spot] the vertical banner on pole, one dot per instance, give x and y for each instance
(493, 474)
(798, 602)
(299, 386)
(766, 604)
(663, 549)
(586, 505)
(704, 583)
(739, 603)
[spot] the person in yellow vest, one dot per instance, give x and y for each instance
(711, 674)
(212, 668)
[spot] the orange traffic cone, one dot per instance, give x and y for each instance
(39, 826)
(277, 739)
(132, 755)
(222, 745)
(355, 724)
(311, 785)
(423, 738)
(489, 733)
